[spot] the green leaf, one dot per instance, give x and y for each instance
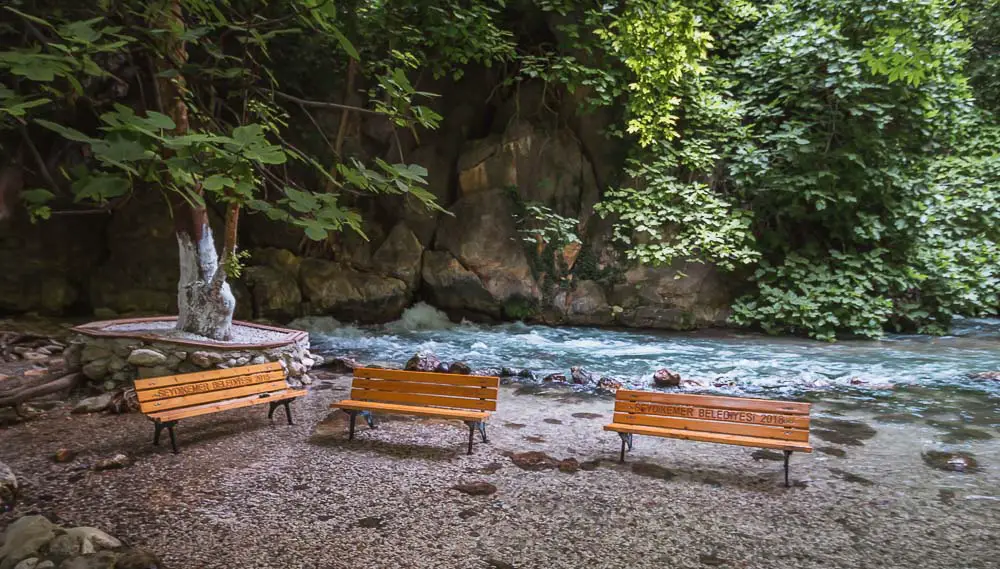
(217, 182)
(66, 132)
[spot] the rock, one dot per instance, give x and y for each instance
(666, 378)
(476, 488)
(64, 546)
(534, 461)
(371, 522)
(64, 455)
(146, 357)
(8, 489)
(100, 560)
(608, 384)
(952, 462)
(112, 463)
(94, 539)
(137, 559)
(96, 370)
(483, 237)
(581, 376)
(460, 368)
(95, 351)
(347, 294)
(275, 292)
(585, 305)
(441, 368)
(158, 371)
(96, 404)
(452, 287)
(341, 365)
(257, 360)
(987, 375)
(24, 538)
(423, 361)
(569, 465)
(526, 374)
(116, 364)
(29, 563)
(555, 378)
(399, 256)
(206, 359)
(682, 296)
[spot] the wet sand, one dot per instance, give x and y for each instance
(243, 493)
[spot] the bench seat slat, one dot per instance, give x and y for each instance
(231, 382)
(207, 408)
(699, 425)
(427, 377)
(215, 374)
(222, 395)
(722, 438)
(411, 410)
(426, 388)
(418, 399)
(717, 402)
(713, 414)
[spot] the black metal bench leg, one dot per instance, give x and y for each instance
(626, 441)
(472, 435)
(173, 441)
(158, 427)
(270, 411)
(288, 411)
(354, 418)
(788, 454)
(482, 430)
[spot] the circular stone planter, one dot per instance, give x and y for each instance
(112, 353)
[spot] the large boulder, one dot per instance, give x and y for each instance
(275, 292)
(680, 297)
(482, 235)
(399, 256)
(584, 305)
(350, 295)
(24, 538)
(448, 285)
(547, 167)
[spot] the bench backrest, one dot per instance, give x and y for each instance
(426, 389)
(764, 418)
(157, 394)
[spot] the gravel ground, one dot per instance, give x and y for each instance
(240, 334)
(245, 494)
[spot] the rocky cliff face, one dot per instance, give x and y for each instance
(484, 164)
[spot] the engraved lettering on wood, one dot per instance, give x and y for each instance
(712, 414)
(193, 388)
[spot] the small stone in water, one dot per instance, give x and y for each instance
(555, 378)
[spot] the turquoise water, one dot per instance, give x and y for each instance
(727, 361)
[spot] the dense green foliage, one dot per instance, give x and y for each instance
(842, 156)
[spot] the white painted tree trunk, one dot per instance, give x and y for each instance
(204, 300)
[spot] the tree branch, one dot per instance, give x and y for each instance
(38, 158)
(323, 104)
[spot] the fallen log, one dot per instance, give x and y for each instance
(35, 390)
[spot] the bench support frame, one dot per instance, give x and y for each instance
(287, 404)
(473, 427)
(354, 416)
(626, 441)
(158, 427)
(788, 454)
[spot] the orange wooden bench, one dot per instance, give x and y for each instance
(740, 421)
(468, 398)
(168, 399)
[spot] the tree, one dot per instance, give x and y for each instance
(218, 137)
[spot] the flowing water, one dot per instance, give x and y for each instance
(910, 374)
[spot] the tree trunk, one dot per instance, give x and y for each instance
(205, 302)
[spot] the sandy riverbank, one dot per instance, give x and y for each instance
(246, 494)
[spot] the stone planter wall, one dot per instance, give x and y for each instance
(113, 363)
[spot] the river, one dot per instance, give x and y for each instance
(922, 375)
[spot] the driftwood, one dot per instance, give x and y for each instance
(40, 388)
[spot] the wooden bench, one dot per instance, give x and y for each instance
(168, 399)
(758, 423)
(468, 398)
